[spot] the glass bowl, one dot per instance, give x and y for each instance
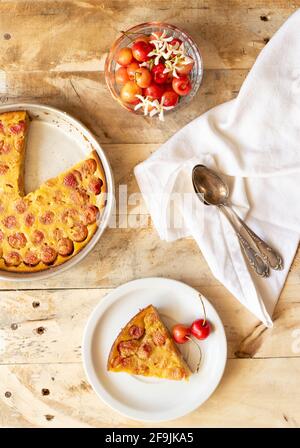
(125, 40)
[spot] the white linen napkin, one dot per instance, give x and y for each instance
(254, 141)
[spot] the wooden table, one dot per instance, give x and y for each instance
(53, 52)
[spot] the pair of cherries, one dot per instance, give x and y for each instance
(200, 329)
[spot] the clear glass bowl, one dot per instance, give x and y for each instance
(125, 40)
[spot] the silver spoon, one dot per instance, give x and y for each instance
(213, 191)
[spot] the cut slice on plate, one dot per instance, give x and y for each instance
(145, 347)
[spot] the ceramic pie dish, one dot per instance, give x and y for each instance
(55, 143)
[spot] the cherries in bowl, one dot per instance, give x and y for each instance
(153, 69)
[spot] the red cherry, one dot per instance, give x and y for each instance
(184, 69)
(142, 38)
(124, 56)
(140, 51)
(129, 92)
(181, 333)
(182, 85)
(143, 77)
(132, 68)
(176, 43)
(200, 328)
(154, 91)
(121, 75)
(158, 73)
(170, 98)
(169, 78)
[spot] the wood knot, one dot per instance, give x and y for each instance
(40, 330)
(35, 304)
(7, 36)
(265, 18)
(7, 394)
(49, 417)
(240, 354)
(14, 326)
(45, 392)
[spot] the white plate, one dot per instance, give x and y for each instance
(150, 399)
(56, 141)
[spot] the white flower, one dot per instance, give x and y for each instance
(161, 39)
(176, 62)
(147, 64)
(155, 106)
(174, 55)
(161, 49)
(171, 66)
(159, 108)
(145, 103)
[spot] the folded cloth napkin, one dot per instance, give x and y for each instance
(254, 142)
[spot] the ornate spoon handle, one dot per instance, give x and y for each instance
(254, 258)
(268, 253)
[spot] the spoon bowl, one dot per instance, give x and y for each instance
(209, 186)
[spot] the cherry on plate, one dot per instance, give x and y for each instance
(200, 329)
(181, 333)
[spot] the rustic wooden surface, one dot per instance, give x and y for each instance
(53, 52)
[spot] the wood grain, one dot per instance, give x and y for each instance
(78, 34)
(47, 326)
(253, 393)
(85, 96)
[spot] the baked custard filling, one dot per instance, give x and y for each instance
(145, 347)
(52, 224)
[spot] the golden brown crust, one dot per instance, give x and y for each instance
(51, 209)
(102, 176)
(12, 150)
(145, 347)
(114, 348)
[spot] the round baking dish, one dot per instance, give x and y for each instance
(56, 141)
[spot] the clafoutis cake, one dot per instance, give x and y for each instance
(144, 347)
(50, 225)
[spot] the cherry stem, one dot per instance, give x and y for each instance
(199, 350)
(204, 322)
(127, 35)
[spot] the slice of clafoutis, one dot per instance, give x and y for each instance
(144, 347)
(13, 133)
